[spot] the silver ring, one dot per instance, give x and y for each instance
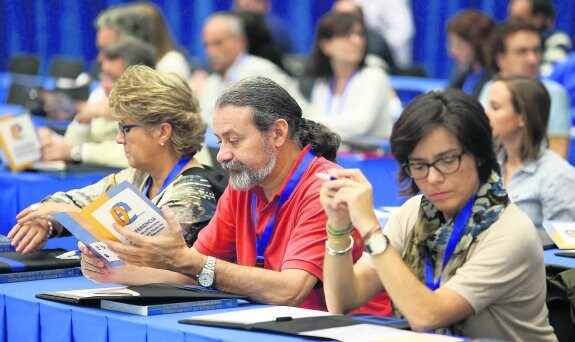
(34, 206)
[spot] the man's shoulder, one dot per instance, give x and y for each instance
(554, 88)
(257, 66)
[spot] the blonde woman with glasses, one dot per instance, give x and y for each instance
(161, 130)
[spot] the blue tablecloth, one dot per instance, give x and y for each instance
(19, 190)
(26, 318)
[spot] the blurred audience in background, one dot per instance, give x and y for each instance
(90, 137)
(468, 37)
(168, 58)
(376, 44)
(393, 20)
(276, 25)
(226, 47)
(556, 44)
(516, 51)
(260, 41)
(539, 181)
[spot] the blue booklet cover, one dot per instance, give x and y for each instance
(166, 308)
(39, 275)
(5, 244)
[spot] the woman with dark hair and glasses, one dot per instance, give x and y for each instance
(540, 182)
(457, 258)
(161, 130)
(349, 96)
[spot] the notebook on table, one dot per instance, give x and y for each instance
(44, 264)
(562, 234)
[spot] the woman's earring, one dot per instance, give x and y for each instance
(161, 143)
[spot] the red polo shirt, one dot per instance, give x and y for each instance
(298, 239)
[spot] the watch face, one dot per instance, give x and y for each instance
(206, 278)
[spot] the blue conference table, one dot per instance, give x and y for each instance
(20, 189)
(26, 318)
(23, 317)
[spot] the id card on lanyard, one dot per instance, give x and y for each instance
(460, 222)
(263, 241)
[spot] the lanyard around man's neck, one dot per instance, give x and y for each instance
(262, 243)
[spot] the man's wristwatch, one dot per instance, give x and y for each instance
(376, 243)
(207, 276)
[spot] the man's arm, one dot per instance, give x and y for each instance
(288, 287)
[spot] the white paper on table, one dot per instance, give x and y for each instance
(267, 314)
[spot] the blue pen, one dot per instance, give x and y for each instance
(325, 176)
(75, 254)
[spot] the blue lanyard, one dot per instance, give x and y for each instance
(332, 91)
(262, 243)
(460, 223)
(171, 176)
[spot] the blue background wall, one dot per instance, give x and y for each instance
(65, 27)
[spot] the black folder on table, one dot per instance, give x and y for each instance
(299, 326)
(45, 259)
(150, 294)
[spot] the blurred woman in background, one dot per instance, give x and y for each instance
(468, 34)
(168, 58)
(350, 97)
(539, 181)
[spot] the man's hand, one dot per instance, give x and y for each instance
(164, 251)
(56, 149)
(89, 111)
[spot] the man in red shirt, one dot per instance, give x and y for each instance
(267, 238)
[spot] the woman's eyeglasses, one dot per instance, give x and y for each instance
(125, 129)
(444, 165)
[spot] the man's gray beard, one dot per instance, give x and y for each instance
(246, 178)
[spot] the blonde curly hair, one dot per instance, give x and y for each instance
(151, 98)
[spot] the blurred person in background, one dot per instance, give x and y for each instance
(393, 20)
(168, 58)
(539, 181)
(93, 141)
(376, 44)
(469, 33)
(276, 25)
(556, 44)
(226, 44)
(516, 49)
(348, 96)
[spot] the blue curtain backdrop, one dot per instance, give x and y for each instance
(65, 27)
